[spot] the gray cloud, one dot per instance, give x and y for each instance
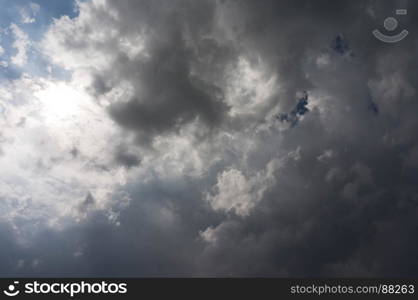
(126, 158)
(226, 188)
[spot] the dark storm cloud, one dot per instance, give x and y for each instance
(164, 215)
(87, 203)
(322, 220)
(344, 200)
(99, 86)
(125, 158)
(168, 98)
(10, 253)
(167, 94)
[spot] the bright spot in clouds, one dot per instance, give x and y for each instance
(62, 103)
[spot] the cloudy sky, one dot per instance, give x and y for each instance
(207, 138)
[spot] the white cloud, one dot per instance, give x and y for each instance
(236, 193)
(43, 120)
(95, 35)
(214, 235)
(21, 44)
(249, 87)
(29, 12)
(209, 235)
(233, 193)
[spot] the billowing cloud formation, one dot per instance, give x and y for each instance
(183, 163)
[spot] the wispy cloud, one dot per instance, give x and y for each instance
(21, 44)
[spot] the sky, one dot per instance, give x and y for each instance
(209, 138)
